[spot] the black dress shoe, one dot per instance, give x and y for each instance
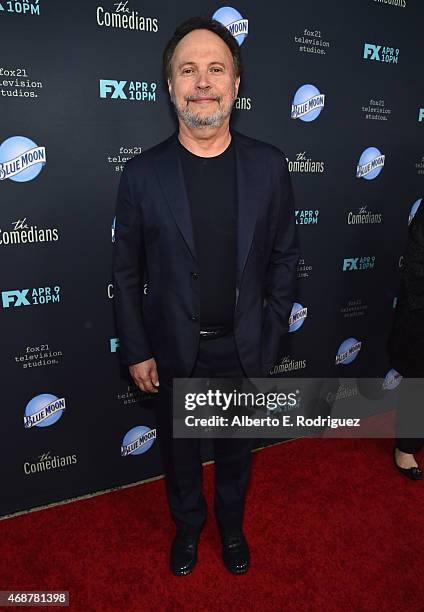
(235, 552)
(414, 473)
(184, 552)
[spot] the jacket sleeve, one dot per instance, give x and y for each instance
(413, 272)
(280, 282)
(128, 275)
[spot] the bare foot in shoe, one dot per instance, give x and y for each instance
(405, 460)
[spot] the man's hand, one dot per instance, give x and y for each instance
(145, 375)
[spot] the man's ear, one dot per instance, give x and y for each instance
(169, 86)
(237, 85)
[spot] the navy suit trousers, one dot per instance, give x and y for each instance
(216, 358)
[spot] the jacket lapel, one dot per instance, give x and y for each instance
(248, 176)
(170, 174)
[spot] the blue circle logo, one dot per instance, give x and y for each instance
(392, 380)
(370, 164)
(348, 351)
(308, 103)
(43, 410)
(21, 160)
(415, 206)
(233, 21)
(297, 317)
(138, 440)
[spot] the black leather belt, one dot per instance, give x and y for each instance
(215, 331)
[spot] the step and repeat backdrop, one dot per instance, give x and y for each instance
(337, 86)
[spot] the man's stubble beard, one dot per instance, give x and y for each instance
(192, 120)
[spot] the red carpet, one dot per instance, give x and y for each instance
(332, 526)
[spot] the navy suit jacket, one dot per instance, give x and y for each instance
(154, 244)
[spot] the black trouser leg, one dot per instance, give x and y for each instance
(232, 473)
(409, 416)
(232, 455)
(409, 445)
(183, 470)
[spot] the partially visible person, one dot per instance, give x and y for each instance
(406, 350)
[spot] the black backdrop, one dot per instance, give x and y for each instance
(54, 56)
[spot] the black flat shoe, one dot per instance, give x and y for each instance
(235, 552)
(184, 553)
(414, 473)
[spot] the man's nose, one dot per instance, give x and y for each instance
(203, 81)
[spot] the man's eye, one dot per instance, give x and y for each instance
(187, 70)
(217, 69)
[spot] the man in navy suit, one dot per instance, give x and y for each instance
(206, 218)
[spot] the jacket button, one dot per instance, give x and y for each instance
(195, 275)
(194, 317)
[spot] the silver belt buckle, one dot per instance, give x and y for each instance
(207, 333)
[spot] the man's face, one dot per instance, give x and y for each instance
(203, 86)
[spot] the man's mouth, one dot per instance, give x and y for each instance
(202, 100)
